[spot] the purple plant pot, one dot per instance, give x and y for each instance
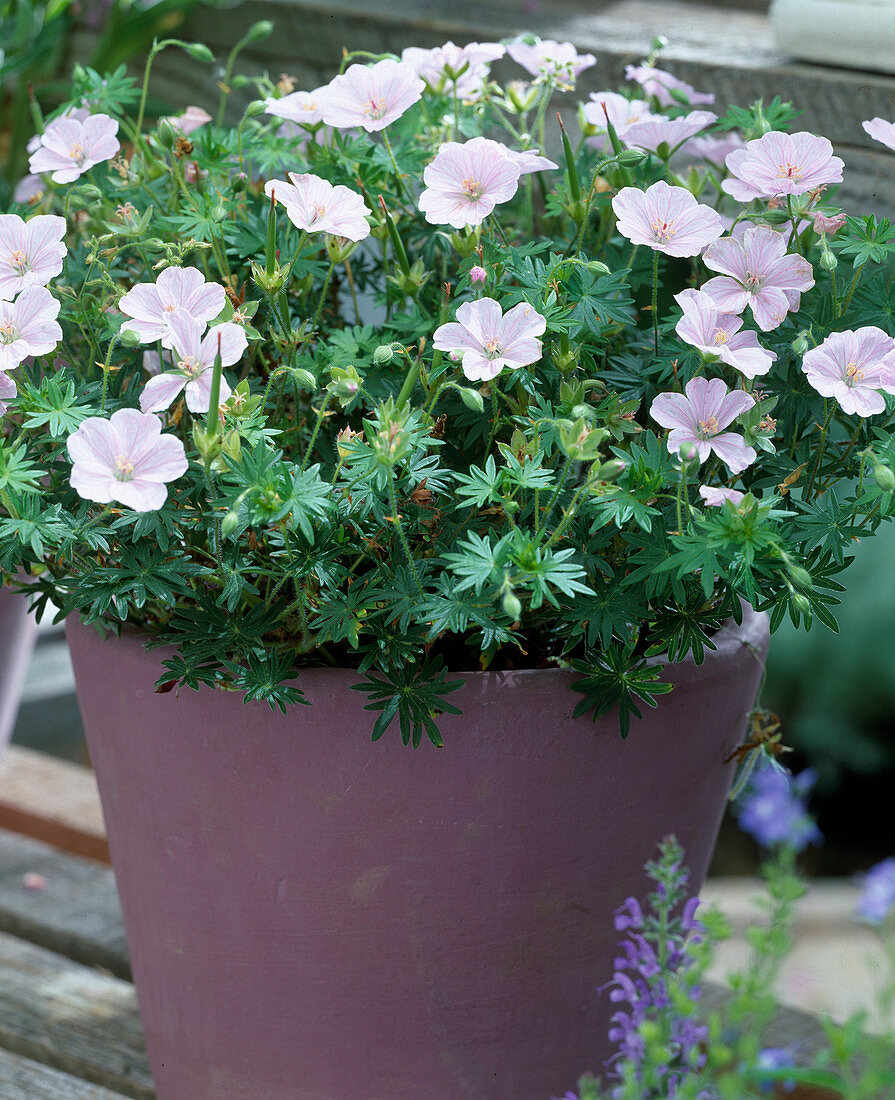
(18, 633)
(312, 917)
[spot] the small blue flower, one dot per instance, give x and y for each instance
(774, 808)
(775, 1058)
(877, 898)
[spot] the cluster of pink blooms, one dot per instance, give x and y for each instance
(559, 61)
(451, 68)
(31, 254)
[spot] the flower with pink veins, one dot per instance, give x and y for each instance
(7, 390)
(28, 326)
(490, 340)
(670, 132)
(300, 107)
(700, 417)
(853, 366)
(881, 131)
(757, 272)
(370, 97)
(715, 497)
(529, 160)
(318, 206)
(152, 304)
(778, 164)
(191, 119)
(69, 147)
(443, 66)
(661, 84)
(31, 252)
(125, 458)
(667, 219)
(716, 334)
(466, 180)
(193, 358)
(621, 112)
(559, 60)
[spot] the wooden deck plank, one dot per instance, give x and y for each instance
(53, 800)
(71, 1018)
(22, 1079)
(75, 913)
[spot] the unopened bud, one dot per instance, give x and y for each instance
(238, 183)
(611, 470)
(597, 267)
(801, 603)
(800, 577)
(256, 108)
(828, 261)
(472, 399)
(477, 274)
(128, 338)
(512, 606)
(884, 478)
(688, 453)
(383, 355)
(304, 378)
(229, 523)
(166, 134)
(801, 344)
(259, 31)
(198, 51)
(630, 158)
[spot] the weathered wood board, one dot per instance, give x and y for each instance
(22, 1079)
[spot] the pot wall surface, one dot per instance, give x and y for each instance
(313, 917)
(18, 633)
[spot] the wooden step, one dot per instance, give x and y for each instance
(22, 1079)
(71, 1018)
(52, 800)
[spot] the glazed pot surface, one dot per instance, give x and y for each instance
(314, 917)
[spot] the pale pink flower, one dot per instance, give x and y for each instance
(661, 84)
(703, 326)
(824, 223)
(667, 219)
(757, 272)
(300, 107)
(881, 131)
(28, 326)
(467, 180)
(670, 132)
(80, 114)
(151, 304)
(715, 148)
(467, 66)
(28, 188)
(317, 206)
(700, 418)
(715, 497)
(370, 97)
(559, 60)
(622, 113)
(31, 252)
(477, 274)
(191, 119)
(125, 458)
(69, 148)
(7, 390)
(529, 161)
(778, 164)
(490, 340)
(193, 358)
(853, 366)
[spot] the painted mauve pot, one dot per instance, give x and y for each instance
(18, 633)
(312, 917)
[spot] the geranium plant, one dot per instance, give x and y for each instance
(370, 379)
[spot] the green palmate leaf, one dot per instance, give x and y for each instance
(18, 474)
(415, 695)
(262, 677)
(54, 406)
(615, 679)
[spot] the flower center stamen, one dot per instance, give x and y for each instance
(124, 469)
(473, 189)
(317, 211)
(853, 374)
(753, 281)
(708, 427)
(190, 367)
(662, 230)
(789, 171)
(76, 152)
(375, 108)
(721, 337)
(19, 260)
(492, 348)
(8, 332)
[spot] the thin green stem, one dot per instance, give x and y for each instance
(399, 527)
(560, 485)
(329, 275)
(320, 417)
(656, 301)
(822, 444)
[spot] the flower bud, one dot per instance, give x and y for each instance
(630, 158)
(801, 603)
(259, 31)
(383, 355)
(800, 576)
(801, 344)
(582, 412)
(238, 183)
(512, 606)
(339, 248)
(198, 51)
(884, 477)
(304, 378)
(611, 470)
(597, 267)
(166, 134)
(256, 108)
(472, 399)
(828, 260)
(229, 523)
(477, 274)
(688, 453)
(128, 338)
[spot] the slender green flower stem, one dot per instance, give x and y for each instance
(399, 183)
(568, 515)
(320, 416)
(854, 283)
(396, 519)
(329, 275)
(795, 230)
(563, 475)
(656, 300)
(821, 445)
